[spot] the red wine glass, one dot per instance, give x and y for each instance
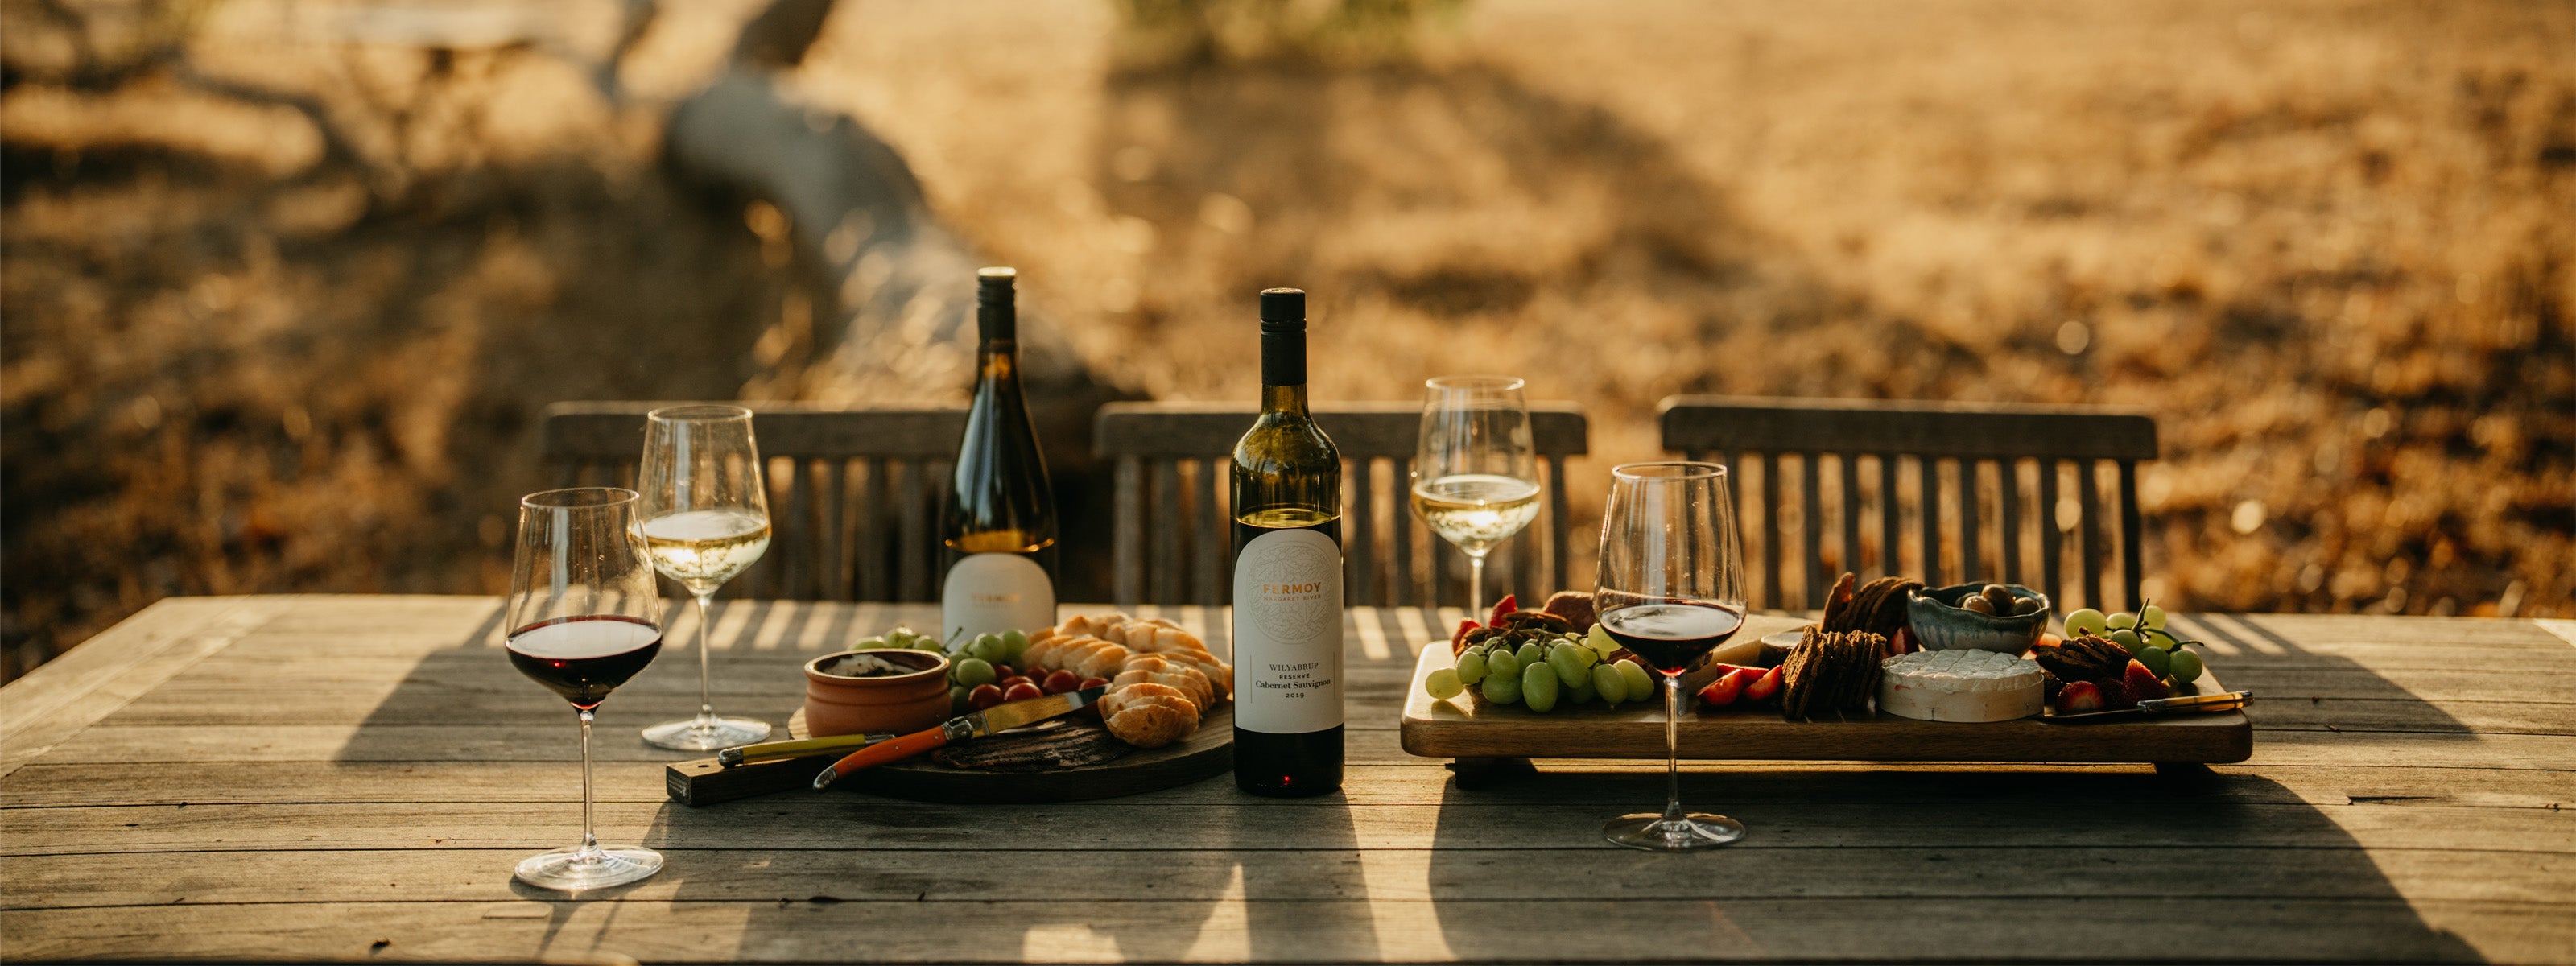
(584, 615)
(1671, 590)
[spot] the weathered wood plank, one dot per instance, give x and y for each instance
(2225, 929)
(825, 821)
(2056, 872)
(1419, 781)
(128, 661)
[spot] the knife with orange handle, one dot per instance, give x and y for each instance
(1000, 717)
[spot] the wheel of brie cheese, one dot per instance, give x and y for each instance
(1959, 685)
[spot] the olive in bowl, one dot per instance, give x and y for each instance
(1985, 617)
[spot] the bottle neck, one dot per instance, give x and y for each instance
(997, 363)
(1284, 400)
(1283, 371)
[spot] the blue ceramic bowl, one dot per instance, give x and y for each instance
(1940, 624)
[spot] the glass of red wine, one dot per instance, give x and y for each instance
(584, 615)
(1671, 590)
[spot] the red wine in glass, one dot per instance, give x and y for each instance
(584, 657)
(1671, 634)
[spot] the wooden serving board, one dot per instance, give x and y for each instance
(1456, 728)
(1206, 753)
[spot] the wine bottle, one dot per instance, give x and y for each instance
(1000, 530)
(1287, 484)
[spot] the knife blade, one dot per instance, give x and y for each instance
(2222, 701)
(967, 727)
(781, 750)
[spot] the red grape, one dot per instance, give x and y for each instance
(984, 696)
(1022, 691)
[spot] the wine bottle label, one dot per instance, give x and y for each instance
(988, 593)
(1288, 633)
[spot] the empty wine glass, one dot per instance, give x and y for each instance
(1475, 476)
(706, 517)
(1671, 590)
(584, 616)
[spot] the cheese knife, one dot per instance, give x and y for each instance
(2222, 701)
(741, 755)
(1000, 717)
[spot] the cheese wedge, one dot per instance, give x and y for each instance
(1959, 685)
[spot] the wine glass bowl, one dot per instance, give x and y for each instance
(1475, 474)
(1671, 589)
(584, 616)
(706, 519)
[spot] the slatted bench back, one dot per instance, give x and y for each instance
(1174, 543)
(1979, 485)
(855, 495)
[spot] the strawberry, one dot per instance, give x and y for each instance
(1763, 688)
(1458, 638)
(2139, 684)
(2079, 697)
(2113, 695)
(1507, 605)
(1902, 643)
(1722, 692)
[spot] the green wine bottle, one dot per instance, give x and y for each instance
(1000, 530)
(1287, 484)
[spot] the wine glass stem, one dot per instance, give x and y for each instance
(706, 694)
(1672, 750)
(589, 842)
(1475, 585)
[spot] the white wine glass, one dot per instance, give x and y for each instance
(1671, 590)
(583, 616)
(706, 517)
(1475, 474)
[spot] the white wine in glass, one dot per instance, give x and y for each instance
(706, 518)
(1475, 474)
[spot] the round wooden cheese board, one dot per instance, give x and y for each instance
(1206, 753)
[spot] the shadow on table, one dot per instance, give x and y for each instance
(759, 648)
(1911, 864)
(1147, 878)
(2300, 689)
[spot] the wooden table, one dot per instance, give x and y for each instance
(352, 777)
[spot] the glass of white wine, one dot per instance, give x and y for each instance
(1475, 475)
(706, 518)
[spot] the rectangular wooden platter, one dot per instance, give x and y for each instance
(1456, 728)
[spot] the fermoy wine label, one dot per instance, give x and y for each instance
(988, 593)
(1288, 633)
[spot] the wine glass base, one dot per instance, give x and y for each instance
(1653, 833)
(567, 870)
(705, 734)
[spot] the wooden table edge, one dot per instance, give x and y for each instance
(105, 673)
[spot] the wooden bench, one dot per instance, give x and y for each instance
(855, 494)
(1156, 445)
(1999, 460)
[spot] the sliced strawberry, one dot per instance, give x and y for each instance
(1507, 605)
(2079, 697)
(1763, 688)
(1902, 643)
(1458, 638)
(2139, 684)
(1722, 692)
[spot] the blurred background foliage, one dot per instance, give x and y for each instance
(283, 285)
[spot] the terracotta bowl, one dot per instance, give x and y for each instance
(900, 703)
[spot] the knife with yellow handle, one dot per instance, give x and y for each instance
(782, 750)
(1000, 717)
(2222, 701)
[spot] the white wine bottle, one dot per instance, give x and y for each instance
(1287, 484)
(1000, 529)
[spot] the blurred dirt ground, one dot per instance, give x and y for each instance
(285, 284)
